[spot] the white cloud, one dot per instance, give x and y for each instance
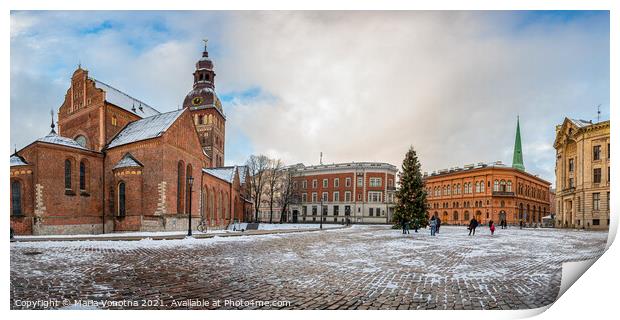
(358, 86)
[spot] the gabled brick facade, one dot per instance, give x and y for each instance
(117, 165)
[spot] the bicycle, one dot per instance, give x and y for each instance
(202, 226)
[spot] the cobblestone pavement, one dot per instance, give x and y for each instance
(363, 267)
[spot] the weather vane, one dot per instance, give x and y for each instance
(205, 41)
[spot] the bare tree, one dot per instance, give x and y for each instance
(257, 167)
(289, 194)
(273, 183)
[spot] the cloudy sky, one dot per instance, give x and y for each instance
(357, 86)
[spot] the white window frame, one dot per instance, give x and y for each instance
(347, 196)
(325, 196)
(315, 183)
(336, 196)
(347, 182)
(325, 183)
(315, 197)
(375, 196)
(336, 182)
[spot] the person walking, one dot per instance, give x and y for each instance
(403, 224)
(492, 227)
(473, 224)
(505, 224)
(438, 224)
(433, 224)
(407, 226)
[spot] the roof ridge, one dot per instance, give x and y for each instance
(122, 92)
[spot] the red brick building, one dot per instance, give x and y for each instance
(487, 192)
(118, 164)
(361, 191)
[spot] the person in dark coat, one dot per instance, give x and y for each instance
(403, 223)
(473, 224)
(438, 221)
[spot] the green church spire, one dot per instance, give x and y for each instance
(517, 157)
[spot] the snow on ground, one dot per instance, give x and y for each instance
(512, 269)
(122, 234)
(280, 226)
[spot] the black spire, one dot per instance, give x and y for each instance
(53, 126)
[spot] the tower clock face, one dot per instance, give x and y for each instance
(196, 101)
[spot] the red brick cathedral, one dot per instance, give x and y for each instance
(117, 164)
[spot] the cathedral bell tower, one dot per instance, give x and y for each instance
(206, 109)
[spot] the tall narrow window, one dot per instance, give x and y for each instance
(67, 174)
(188, 174)
(180, 186)
(596, 201)
(121, 199)
(82, 176)
(16, 198)
(597, 175)
(597, 152)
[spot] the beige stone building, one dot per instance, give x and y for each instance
(582, 174)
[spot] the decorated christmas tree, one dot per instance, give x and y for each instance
(411, 195)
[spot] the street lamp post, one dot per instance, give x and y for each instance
(190, 181)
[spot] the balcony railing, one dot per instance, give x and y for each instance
(503, 194)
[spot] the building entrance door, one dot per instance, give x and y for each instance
(295, 214)
(502, 216)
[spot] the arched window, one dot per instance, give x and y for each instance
(477, 186)
(481, 186)
(188, 196)
(121, 199)
(212, 205)
(180, 186)
(81, 140)
(219, 206)
(496, 185)
(455, 216)
(68, 174)
(226, 206)
(502, 186)
(115, 121)
(16, 198)
(509, 186)
(501, 204)
(466, 215)
(201, 119)
(448, 190)
(82, 175)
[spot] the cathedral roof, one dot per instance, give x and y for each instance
(127, 161)
(16, 160)
(54, 138)
(147, 128)
(225, 173)
(125, 101)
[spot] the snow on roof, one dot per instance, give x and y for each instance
(54, 138)
(146, 128)
(16, 160)
(224, 173)
(125, 101)
(242, 173)
(581, 123)
(127, 161)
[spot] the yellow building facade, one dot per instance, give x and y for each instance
(582, 171)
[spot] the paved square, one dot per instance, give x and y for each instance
(362, 267)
